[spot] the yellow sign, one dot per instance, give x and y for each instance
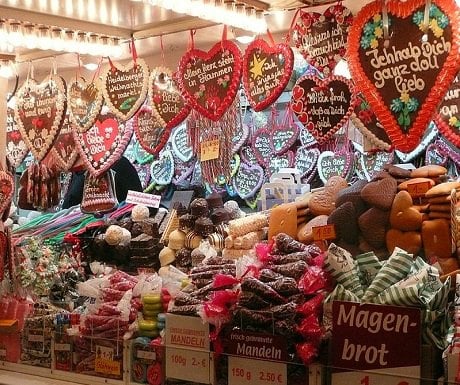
(324, 233)
(209, 150)
(105, 366)
(418, 189)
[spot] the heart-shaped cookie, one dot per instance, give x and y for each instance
(284, 136)
(435, 155)
(64, 150)
(448, 115)
(403, 216)
(248, 180)
(345, 220)
(125, 87)
(409, 241)
(150, 131)
(405, 77)
(247, 155)
(261, 146)
(16, 148)
(373, 224)
(380, 193)
(322, 106)
(375, 162)
(266, 72)
(39, 112)
(162, 170)
(84, 103)
(430, 135)
(240, 137)
(209, 80)
(140, 155)
(6, 191)
(104, 143)
(306, 138)
(306, 159)
(353, 194)
(276, 163)
(366, 122)
(182, 170)
(180, 143)
(331, 164)
(322, 38)
(168, 105)
(143, 170)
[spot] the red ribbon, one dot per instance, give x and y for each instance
(162, 50)
(132, 49)
(191, 42)
(112, 67)
(270, 37)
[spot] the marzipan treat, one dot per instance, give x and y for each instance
(242, 226)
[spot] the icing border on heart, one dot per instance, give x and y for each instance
(6, 190)
(269, 50)
(401, 141)
(184, 111)
(162, 138)
(143, 93)
(430, 135)
(63, 160)
(16, 148)
(192, 55)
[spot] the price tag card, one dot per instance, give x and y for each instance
(369, 378)
(419, 189)
(324, 233)
(146, 355)
(190, 332)
(139, 198)
(104, 362)
(244, 371)
(209, 150)
(36, 338)
(188, 365)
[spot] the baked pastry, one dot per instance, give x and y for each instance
(204, 226)
(216, 241)
(150, 227)
(113, 235)
(184, 258)
(192, 240)
(139, 213)
(199, 207)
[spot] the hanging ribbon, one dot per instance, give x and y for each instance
(98, 70)
(191, 42)
(224, 36)
(270, 37)
(132, 49)
(112, 67)
(163, 61)
(291, 28)
(386, 33)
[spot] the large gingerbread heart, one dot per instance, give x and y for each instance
(85, 102)
(104, 143)
(64, 150)
(262, 146)
(266, 72)
(16, 148)
(6, 190)
(405, 77)
(322, 106)
(39, 112)
(322, 38)
(209, 80)
(248, 180)
(150, 131)
(162, 170)
(430, 134)
(167, 102)
(448, 116)
(125, 87)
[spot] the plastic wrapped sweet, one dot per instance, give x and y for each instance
(285, 286)
(268, 275)
(286, 244)
(294, 270)
(253, 285)
(252, 301)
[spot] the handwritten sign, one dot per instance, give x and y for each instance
(324, 233)
(248, 180)
(419, 189)
(150, 132)
(367, 337)
(331, 164)
(209, 149)
(84, 103)
(448, 118)
(262, 145)
(162, 170)
(140, 198)
(180, 142)
(243, 371)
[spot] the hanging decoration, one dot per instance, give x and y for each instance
(85, 101)
(125, 87)
(285, 134)
(373, 163)
(240, 137)
(276, 163)
(150, 131)
(6, 192)
(262, 145)
(143, 170)
(448, 115)
(168, 105)
(180, 143)
(323, 106)
(366, 122)
(209, 81)
(98, 194)
(306, 160)
(429, 136)
(64, 150)
(39, 112)
(16, 148)
(104, 143)
(403, 57)
(267, 69)
(434, 154)
(248, 180)
(162, 170)
(322, 38)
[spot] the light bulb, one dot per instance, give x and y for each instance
(15, 35)
(44, 41)
(57, 41)
(30, 37)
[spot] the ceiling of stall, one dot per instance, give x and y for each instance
(125, 18)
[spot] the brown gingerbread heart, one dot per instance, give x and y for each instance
(345, 220)
(409, 241)
(373, 224)
(380, 193)
(403, 216)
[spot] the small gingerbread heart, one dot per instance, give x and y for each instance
(403, 216)
(380, 193)
(346, 223)
(373, 224)
(409, 241)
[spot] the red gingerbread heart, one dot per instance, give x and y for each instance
(64, 150)
(448, 116)
(405, 77)
(209, 80)
(150, 132)
(266, 72)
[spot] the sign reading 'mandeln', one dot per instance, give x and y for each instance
(375, 344)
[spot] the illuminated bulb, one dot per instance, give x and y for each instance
(57, 41)
(30, 37)
(16, 36)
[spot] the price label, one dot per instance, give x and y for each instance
(104, 362)
(62, 347)
(369, 378)
(418, 189)
(145, 354)
(242, 371)
(324, 233)
(36, 338)
(209, 150)
(189, 365)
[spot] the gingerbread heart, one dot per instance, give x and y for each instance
(104, 143)
(209, 81)
(98, 194)
(261, 146)
(266, 72)
(345, 220)
(279, 162)
(380, 193)
(448, 114)
(306, 159)
(403, 216)
(143, 170)
(435, 155)
(64, 150)
(322, 38)
(247, 155)
(162, 170)
(240, 137)
(168, 105)
(375, 162)
(182, 170)
(125, 87)
(180, 143)
(331, 164)
(405, 77)
(6, 191)
(140, 155)
(306, 138)
(284, 136)
(430, 135)
(322, 106)
(373, 224)
(39, 112)
(409, 241)
(84, 103)
(248, 180)
(16, 148)
(150, 131)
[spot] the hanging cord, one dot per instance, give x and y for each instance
(385, 22)
(163, 61)
(98, 70)
(291, 28)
